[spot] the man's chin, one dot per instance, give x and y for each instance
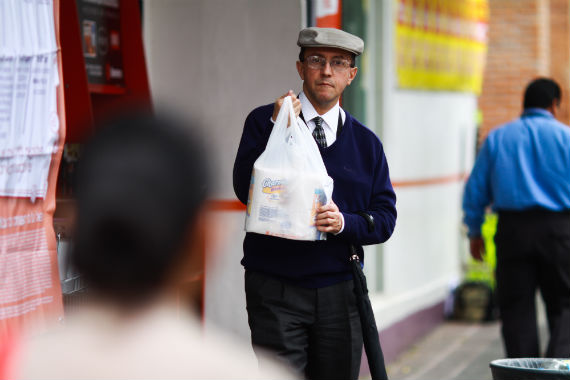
(322, 98)
(325, 98)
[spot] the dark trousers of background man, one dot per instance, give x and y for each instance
(315, 331)
(533, 251)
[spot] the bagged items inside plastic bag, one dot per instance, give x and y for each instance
(288, 183)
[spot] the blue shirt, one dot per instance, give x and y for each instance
(522, 165)
(358, 166)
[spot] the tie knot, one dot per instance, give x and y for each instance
(319, 132)
(318, 121)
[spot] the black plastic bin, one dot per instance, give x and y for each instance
(527, 368)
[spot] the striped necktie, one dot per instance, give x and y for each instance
(319, 132)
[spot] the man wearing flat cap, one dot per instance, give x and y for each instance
(299, 294)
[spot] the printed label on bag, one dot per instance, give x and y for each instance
(319, 199)
(272, 188)
(268, 214)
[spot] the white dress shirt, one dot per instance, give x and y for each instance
(330, 118)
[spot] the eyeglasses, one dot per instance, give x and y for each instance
(338, 65)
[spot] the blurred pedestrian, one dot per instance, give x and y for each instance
(300, 299)
(138, 239)
(523, 172)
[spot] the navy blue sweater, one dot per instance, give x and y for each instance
(357, 164)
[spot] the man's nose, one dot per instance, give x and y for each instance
(327, 69)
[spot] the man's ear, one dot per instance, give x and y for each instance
(352, 74)
(553, 107)
(300, 70)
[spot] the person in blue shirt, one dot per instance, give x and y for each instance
(523, 172)
(299, 294)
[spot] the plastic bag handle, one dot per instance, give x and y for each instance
(292, 116)
(280, 126)
(285, 111)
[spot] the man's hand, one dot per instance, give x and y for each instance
(477, 248)
(279, 103)
(329, 218)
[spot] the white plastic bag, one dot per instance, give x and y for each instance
(288, 183)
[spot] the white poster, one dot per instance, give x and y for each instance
(325, 8)
(29, 123)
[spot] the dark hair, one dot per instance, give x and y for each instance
(352, 57)
(541, 93)
(140, 183)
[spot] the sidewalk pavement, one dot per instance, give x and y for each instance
(456, 350)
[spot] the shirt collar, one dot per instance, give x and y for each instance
(309, 112)
(536, 111)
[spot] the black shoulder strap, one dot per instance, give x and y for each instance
(339, 125)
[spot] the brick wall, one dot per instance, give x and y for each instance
(527, 39)
(560, 52)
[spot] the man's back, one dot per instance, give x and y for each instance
(523, 172)
(529, 162)
(161, 341)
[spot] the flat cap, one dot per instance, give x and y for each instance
(330, 37)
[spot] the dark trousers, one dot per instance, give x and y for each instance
(316, 331)
(533, 252)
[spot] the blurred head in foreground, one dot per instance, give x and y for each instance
(140, 187)
(138, 241)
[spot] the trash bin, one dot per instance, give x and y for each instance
(531, 368)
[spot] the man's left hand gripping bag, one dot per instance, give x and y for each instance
(289, 182)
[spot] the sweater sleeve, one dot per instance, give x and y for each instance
(253, 141)
(381, 207)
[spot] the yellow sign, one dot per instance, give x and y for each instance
(441, 44)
